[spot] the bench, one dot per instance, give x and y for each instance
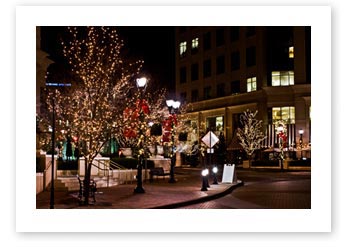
(157, 171)
(92, 189)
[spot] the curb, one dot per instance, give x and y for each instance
(201, 199)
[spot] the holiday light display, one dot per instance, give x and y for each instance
(250, 135)
(101, 79)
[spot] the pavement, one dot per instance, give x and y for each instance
(159, 194)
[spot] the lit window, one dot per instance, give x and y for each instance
(219, 123)
(282, 78)
(183, 47)
(194, 43)
(291, 52)
(251, 84)
(215, 124)
(285, 114)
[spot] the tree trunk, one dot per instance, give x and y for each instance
(87, 181)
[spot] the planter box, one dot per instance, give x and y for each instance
(300, 163)
(246, 164)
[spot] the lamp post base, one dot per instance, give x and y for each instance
(139, 190)
(172, 166)
(204, 184)
(172, 180)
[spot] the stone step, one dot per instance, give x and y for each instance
(72, 184)
(59, 185)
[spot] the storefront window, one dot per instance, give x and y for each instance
(216, 124)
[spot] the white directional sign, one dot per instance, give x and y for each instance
(210, 139)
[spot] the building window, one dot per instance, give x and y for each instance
(183, 75)
(194, 46)
(220, 90)
(207, 41)
(220, 36)
(251, 56)
(220, 65)
(183, 47)
(282, 78)
(194, 95)
(251, 84)
(235, 87)
(207, 93)
(234, 33)
(207, 68)
(250, 31)
(194, 72)
(215, 124)
(235, 60)
(285, 114)
(291, 53)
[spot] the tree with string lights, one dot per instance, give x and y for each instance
(89, 110)
(250, 135)
(151, 106)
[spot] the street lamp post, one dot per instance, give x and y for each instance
(54, 85)
(204, 174)
(51, 203)
(301, 141)
(141, 84)
(173, 107)
(215, 170)
(280, 130)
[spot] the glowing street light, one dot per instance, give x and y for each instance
(141, 84)
(301, 137)
(301, 141)
(280, 130)
(204, 174)
(173, 107)
(215, 170)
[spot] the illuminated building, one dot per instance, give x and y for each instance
(223, 71)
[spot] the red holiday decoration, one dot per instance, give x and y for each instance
(168, 125)
(131, 116)
(283, 136)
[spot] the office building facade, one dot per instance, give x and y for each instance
(223, 71)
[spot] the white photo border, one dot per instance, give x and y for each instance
(29, 219)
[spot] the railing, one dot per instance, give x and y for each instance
(48, 165)
(120, 167)
(109, 166)
(103, 169)
(106, 167)
(117, 166)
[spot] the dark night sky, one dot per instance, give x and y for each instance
(155, 45)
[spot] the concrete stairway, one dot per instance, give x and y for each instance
(71, 183)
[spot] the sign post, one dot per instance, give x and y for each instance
(210, 139)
